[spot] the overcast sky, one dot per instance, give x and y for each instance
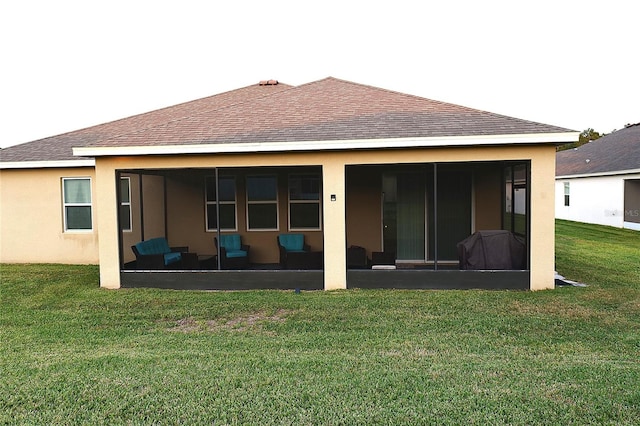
(66, 64)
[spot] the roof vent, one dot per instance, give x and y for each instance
(268, 82)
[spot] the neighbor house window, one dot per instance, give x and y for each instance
(76, 200)
(566, 193)
(125, 204)
(304, 202)
(224, 198)
(262, 203)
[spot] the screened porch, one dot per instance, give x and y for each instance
(403, 220)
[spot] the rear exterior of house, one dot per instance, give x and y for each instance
(599, 182)
(348, 166)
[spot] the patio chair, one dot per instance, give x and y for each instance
(233, 254)
(293, 250)
(357, 258)
(155, 253)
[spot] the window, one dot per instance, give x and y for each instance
(76, 200)
(515, 216)
(225, 198)
(262, 203)
(125, 204)
(304, 202)
(566, 193)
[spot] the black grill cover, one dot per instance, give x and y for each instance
(491, 250)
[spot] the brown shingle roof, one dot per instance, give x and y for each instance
(59, 148)
(614, 152)
(328, 109)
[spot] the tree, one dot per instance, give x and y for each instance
(586, 136)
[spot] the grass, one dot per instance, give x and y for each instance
(72, 353)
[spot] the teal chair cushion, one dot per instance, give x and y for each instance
(292, 242)
(170, 258)
(231, 243)
(236, 253)
(158, 246)
(153, 246)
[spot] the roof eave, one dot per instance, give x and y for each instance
(599, 174)
(328, 145)
(61, 164)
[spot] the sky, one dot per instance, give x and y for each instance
(66, 65)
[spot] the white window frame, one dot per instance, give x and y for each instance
(276, 202)
(65, 205)
(318, 201)
(127, 203)
(212, 204)
(567, 194)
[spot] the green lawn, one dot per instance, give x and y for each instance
(72, 353)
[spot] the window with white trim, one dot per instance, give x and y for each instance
(125, 204)
(76, 204)
(567, 193)
(304, 202)
(223, 197)
(262, 203)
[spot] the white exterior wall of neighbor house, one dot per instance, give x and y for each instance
(593, 199)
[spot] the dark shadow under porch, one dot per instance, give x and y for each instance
(314, 279)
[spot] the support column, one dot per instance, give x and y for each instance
(334, 225)
(107, 219)
(542, 233)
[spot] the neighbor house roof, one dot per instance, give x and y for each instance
(274, 116)
(617, 152)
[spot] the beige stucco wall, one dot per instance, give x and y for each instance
(542, 252)
(333, 169)
(364, 208)
(487, 199)
(31, 219)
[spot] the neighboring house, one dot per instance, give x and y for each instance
(342, 163)
(599, 182)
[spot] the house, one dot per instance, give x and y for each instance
(348, 166)
(599, 182)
